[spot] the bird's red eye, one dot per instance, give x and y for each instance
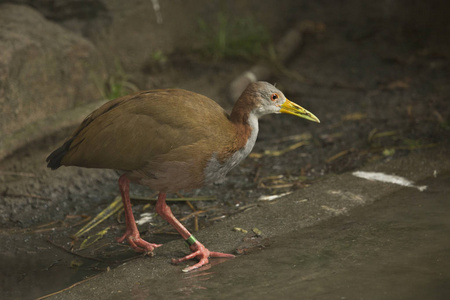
(274, 97)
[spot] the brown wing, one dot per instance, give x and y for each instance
(127, 133)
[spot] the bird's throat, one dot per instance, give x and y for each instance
(216, 169)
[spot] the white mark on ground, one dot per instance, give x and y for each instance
(272, 197)
(335, 211)
(378, 176)
(145, 218)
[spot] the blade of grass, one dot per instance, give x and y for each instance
(114, 207)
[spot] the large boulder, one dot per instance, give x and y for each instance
(44, 69)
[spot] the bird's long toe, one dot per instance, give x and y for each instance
(138, 244)
(220, 254)
(201, 253)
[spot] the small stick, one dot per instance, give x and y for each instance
(258, 171)
(340, 154)
(190, 205)
(68, 288)
(196, 223)
(73, 253)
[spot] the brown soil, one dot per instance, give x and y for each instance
(378, 96)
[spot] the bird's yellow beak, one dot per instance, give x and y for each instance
(289, 107)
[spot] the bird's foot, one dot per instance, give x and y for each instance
(137, 243)
(201, 253)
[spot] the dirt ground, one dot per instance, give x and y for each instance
(379, 97)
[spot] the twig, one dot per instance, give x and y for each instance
(113, 207)
(49, 224)
(193, 214)
(277, 186)
(217, 218)
(338, 155)
(68, 288)
(73, 253)
(196, 223)
(257, 173)
(279, 152)
(306, 136)
(195, 217)
(190, 205)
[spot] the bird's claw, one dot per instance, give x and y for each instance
(138, 244)
(201, 253)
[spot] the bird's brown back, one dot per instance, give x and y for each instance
(129, 132)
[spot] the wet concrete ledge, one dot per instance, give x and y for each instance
(329, 197)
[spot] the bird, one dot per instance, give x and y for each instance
(171, 140)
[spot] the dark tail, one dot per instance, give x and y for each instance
(54, 159)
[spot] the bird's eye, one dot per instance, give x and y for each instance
(274, 97)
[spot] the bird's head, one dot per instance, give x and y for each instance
(267, 99)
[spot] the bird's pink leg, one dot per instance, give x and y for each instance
(132, 233)
(198, 250)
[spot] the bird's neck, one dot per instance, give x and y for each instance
(246, 125)
(252, 123)
(242, 109)
(246, 131)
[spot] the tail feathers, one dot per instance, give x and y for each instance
(54, 159)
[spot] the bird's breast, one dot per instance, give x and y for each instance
(216, 170)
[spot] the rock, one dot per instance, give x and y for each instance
(44, 69)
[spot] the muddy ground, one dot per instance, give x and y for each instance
(380, 97)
